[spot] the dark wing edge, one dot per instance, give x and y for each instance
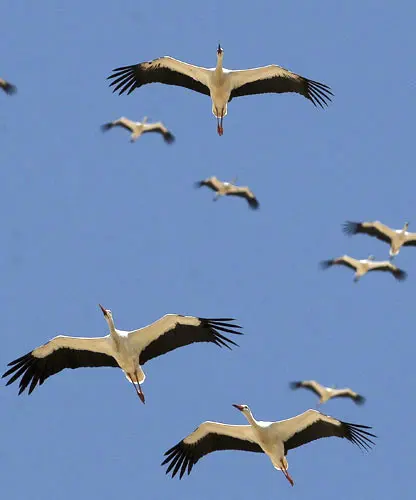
(399, 274)
(106, 126)
(183, 335)
(319, 93)
(34, 371)
(9, 88)
(299, 384)
(355, 433)
(128, 78)
(351, 228)
(168, 137)
(184, 456)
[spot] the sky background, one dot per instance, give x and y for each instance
(88, 217)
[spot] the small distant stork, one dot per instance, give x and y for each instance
(274, 439)
(364, 266)
(221, 84)
(127, 350)
(7, 87)
(229, 189)
(139, 128)
(326, 393)
(396, 238)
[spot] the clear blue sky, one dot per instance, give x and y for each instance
(89, 218)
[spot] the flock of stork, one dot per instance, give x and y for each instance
(130, 350)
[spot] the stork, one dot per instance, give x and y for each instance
(274, 439)
(128, 350)
(221, 84)
(327, 393)
(7, 87)
(229, 189)
(364, 266)
(396, 238)
(139, 128)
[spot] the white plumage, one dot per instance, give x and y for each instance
(125, 349)
(327, 393)
(364, 266)
(229, 189)
(139, 128)
(221, 84)
(273, 438)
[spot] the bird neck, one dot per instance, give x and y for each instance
(112, 328)
(251, 420)
(144, 120)
(218, 68)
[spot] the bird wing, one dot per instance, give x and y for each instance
(345, 260)
(347, 393)
(120, 122)
(312, 385)
(173, 331)
(244, 192)
(376, 229)
(212, 182)
(161, 129)
(410, 240)
(275, 79)
(59, 353)
(312, 425)
(162, 70)
(387, 266)
(207, 438)
(7, 87)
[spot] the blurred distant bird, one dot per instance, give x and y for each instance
(273, 438)
(326, 393)
(364, 266)
(229, 189)
(396, 238)
(127, 350)
(7, 87)
(221, 84)
(139, 128)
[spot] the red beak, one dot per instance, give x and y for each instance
(103, 310)
(239, 407)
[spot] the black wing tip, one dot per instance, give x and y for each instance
(400, 275)
(357, 435)
(199, 184)
(359, 400)
(106, 126)
(10, 89)
(178, 460)
(169, 137)
(319, 93)
(350, 227)
(295, 384)
(253, 203)
(325, 264)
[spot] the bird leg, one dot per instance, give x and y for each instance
(220, 129)
(286, 474)
(139, 391)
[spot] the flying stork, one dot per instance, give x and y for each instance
(364, 266)
(326, 393)
(127, 350)
(229, 189)
(273, 438)
(221, 84)
(139, 128)
(7, 87)
(396, 238)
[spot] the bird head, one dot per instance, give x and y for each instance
(220, 50)
(107, 312)
(406, 225)
(242, 408)
(371, 257)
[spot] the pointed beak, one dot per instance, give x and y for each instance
(103, 310)
(239, 407)
(219, 50)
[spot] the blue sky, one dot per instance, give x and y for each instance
(89, 218)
